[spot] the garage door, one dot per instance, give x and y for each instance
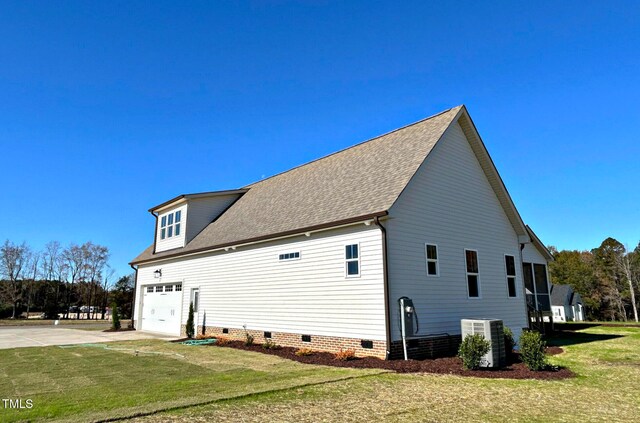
(161, 308)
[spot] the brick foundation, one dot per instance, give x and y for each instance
(318, 343)
(431, 347)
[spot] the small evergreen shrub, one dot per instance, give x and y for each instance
(248, 339)
(304, 352)
(115, 317)
(190, 329)
(509, 343)
(345, 355)
(472, 349)
(532, 350)
(270, 345)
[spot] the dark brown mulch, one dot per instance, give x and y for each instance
(449, 365)
(553, 350)
(119, 330)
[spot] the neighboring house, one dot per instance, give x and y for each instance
(320, 255)
(566, 304)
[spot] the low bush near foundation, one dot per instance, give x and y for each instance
(532, 350)
(303, 352)
(345, 355)
(202, 336)
(222, 341)
(472, 349)
(509, 344)
(270, 345)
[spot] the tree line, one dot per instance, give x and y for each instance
(61, 281)
(607, 278)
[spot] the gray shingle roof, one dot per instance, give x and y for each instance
(560, 294)
(362, 180)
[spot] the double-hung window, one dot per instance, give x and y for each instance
(431, 251)
(473, 273)
(352, 260)
(170, 224)
(510, 264)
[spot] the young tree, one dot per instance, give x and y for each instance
(13, 260)
(625, 265)
(190, 329)
(115, 317)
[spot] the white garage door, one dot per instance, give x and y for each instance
(162, 308)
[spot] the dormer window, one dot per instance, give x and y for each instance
(170, 225)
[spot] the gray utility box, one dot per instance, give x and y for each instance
(493, 331)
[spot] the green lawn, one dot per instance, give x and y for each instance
(86, 383)
(91, 383)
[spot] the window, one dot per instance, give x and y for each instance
(289, 256)
(168, 288)
(179, 287)
(510, 264)
(170, 224)
(352, 259)
(473, 283)
(159, 288)
(431, 251)
(149, 289)
(306, 338)
(163, 224)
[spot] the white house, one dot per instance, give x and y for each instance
(566, 304)
(320, 255)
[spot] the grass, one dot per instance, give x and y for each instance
(606, 359)
(203, 384)
(82, 383)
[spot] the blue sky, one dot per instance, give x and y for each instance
(109, 108)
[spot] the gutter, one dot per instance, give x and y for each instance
(387, 311)
(165, 255)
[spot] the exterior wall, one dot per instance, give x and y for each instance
(203, 211)
(318, 342)
(450, 203)
(530, 254)
(559, 314)
(174, 241)
(311, 295)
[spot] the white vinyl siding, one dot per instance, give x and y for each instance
(203, 211)
(175, 240)
(248, 286)
(449, 202)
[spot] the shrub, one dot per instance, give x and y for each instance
(304, 352)
(270, 345)
(509, 343)
(115, 317)
(190, 329)
(472, 349)
(532, 350)
(202, 336)
(222, 341)
(345, 355)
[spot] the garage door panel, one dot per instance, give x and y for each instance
(161, 311)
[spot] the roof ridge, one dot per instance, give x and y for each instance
(354, 146)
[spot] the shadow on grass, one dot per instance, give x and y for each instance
(563, 338)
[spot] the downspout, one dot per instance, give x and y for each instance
(387, 311)
(133, 298)
(524, 287)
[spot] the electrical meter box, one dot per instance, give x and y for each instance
(407, 315)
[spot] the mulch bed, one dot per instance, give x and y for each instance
(448, 365)
(118, 330)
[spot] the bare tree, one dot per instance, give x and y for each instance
(96, 260)
(626, 269)
(74, 260)
(33, 261)
(13, 260)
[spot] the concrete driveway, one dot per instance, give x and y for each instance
(40, 336)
